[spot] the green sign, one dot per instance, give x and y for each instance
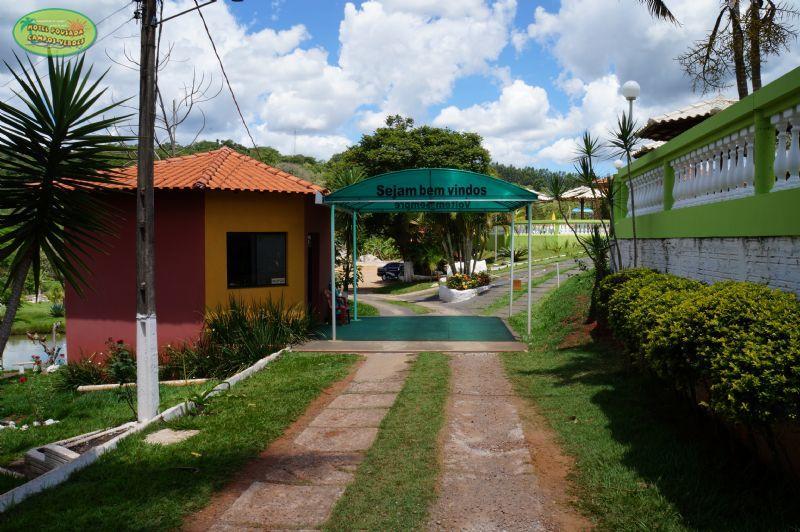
(56, 32)
(431, 190)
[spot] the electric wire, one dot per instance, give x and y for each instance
(227, 81)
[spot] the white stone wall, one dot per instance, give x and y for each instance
(770, 260)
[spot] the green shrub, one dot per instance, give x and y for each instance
(57, 310)
(638, 304)
(611, 283)
(462, 281)
(80, 373)
(740, 339)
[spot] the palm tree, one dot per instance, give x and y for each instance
(659, 9)
(623, 143)
(340, 178)
(55, 156)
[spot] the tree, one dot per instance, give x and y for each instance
(623, 143)
(400, 146)
(738, 45)
(659, 9)
(340, 178)
(54, 160)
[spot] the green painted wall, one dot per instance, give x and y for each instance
(765, 213)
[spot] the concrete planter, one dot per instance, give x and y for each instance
(449, 295)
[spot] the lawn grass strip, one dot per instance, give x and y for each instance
(396, 483)
(60, 474)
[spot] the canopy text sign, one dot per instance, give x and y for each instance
(431, 190)
(55, 32)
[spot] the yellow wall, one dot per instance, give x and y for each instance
(254, 212)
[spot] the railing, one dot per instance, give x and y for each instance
(749, 150)
(558, 227)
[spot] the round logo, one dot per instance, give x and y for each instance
(56, 32)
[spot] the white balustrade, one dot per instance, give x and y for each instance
(720, 171)
(648, 192)
(787, 154)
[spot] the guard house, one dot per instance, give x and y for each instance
(226, 226)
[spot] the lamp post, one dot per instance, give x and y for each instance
(631, 91)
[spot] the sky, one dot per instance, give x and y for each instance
(313, 76)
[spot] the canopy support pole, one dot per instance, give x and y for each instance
(333, 272)
(355, 268)
(530, 267)
(511, 281)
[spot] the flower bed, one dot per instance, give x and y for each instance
(460, 287)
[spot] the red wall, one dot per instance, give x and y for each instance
(318, 221)
(107, 308)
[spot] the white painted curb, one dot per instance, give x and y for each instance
(60, 474)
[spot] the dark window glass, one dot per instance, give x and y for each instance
(256, 259)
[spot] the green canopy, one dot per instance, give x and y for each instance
(431, 190)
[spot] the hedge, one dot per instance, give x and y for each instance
(739, 341)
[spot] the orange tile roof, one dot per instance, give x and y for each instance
(222, 169)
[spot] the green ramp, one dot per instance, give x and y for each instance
(421, 328)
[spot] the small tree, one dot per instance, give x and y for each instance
(54, 159)
(623, 143)
(342, 177)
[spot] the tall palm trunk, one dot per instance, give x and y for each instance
(738, 50)
(755, 43)
(17, 285)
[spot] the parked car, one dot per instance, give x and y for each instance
(391, 271)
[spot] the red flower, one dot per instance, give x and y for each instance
(23, 380)
(120, 342)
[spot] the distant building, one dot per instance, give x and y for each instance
(226, 226)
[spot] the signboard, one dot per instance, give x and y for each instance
(56, 32)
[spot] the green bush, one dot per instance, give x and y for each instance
(57, 310)
(740, 339)
(611, 283)
(80, 373)
(637, 305)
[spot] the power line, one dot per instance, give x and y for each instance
(227, 81)
(43, 59)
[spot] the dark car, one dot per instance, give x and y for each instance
(391, 271)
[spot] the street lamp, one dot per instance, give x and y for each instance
(631, 91)
(618, 164)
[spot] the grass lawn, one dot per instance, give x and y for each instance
(78, 413)
(414, 307)
(502, 301)
(644, 460)
(396, 482)
(35, 318)
(144, 487)
(365, 310)
(399, 287)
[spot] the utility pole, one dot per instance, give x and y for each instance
(147, 393)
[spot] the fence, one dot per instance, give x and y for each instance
(735, 174)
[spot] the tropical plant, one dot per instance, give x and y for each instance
(342, 177)
(55, 156)
(738, 44)
(197, 403)
(659, 9)
(624, 140)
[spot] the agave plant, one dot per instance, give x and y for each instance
(55, 158)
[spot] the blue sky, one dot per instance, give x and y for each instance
(529, 76)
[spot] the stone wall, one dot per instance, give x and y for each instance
(770, 260)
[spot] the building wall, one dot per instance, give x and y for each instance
(254, 212)
(774, 261)
(107, 308)
(318, 225)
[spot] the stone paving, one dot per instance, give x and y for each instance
(488, 480)
(302, 484)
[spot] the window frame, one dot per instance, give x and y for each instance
(256, 233)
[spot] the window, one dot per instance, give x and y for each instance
(256, 259)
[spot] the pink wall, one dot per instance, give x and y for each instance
(107, 307)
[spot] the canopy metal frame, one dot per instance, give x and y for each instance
(355, 199)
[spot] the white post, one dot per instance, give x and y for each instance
(495, 246)
(333, 272)
(511, 281)
(355, 268)
(147, 398)
(558, 274)
(530, 266)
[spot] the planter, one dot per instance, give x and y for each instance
(449, 295)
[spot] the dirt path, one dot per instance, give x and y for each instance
(295, 483)
(489, 479)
